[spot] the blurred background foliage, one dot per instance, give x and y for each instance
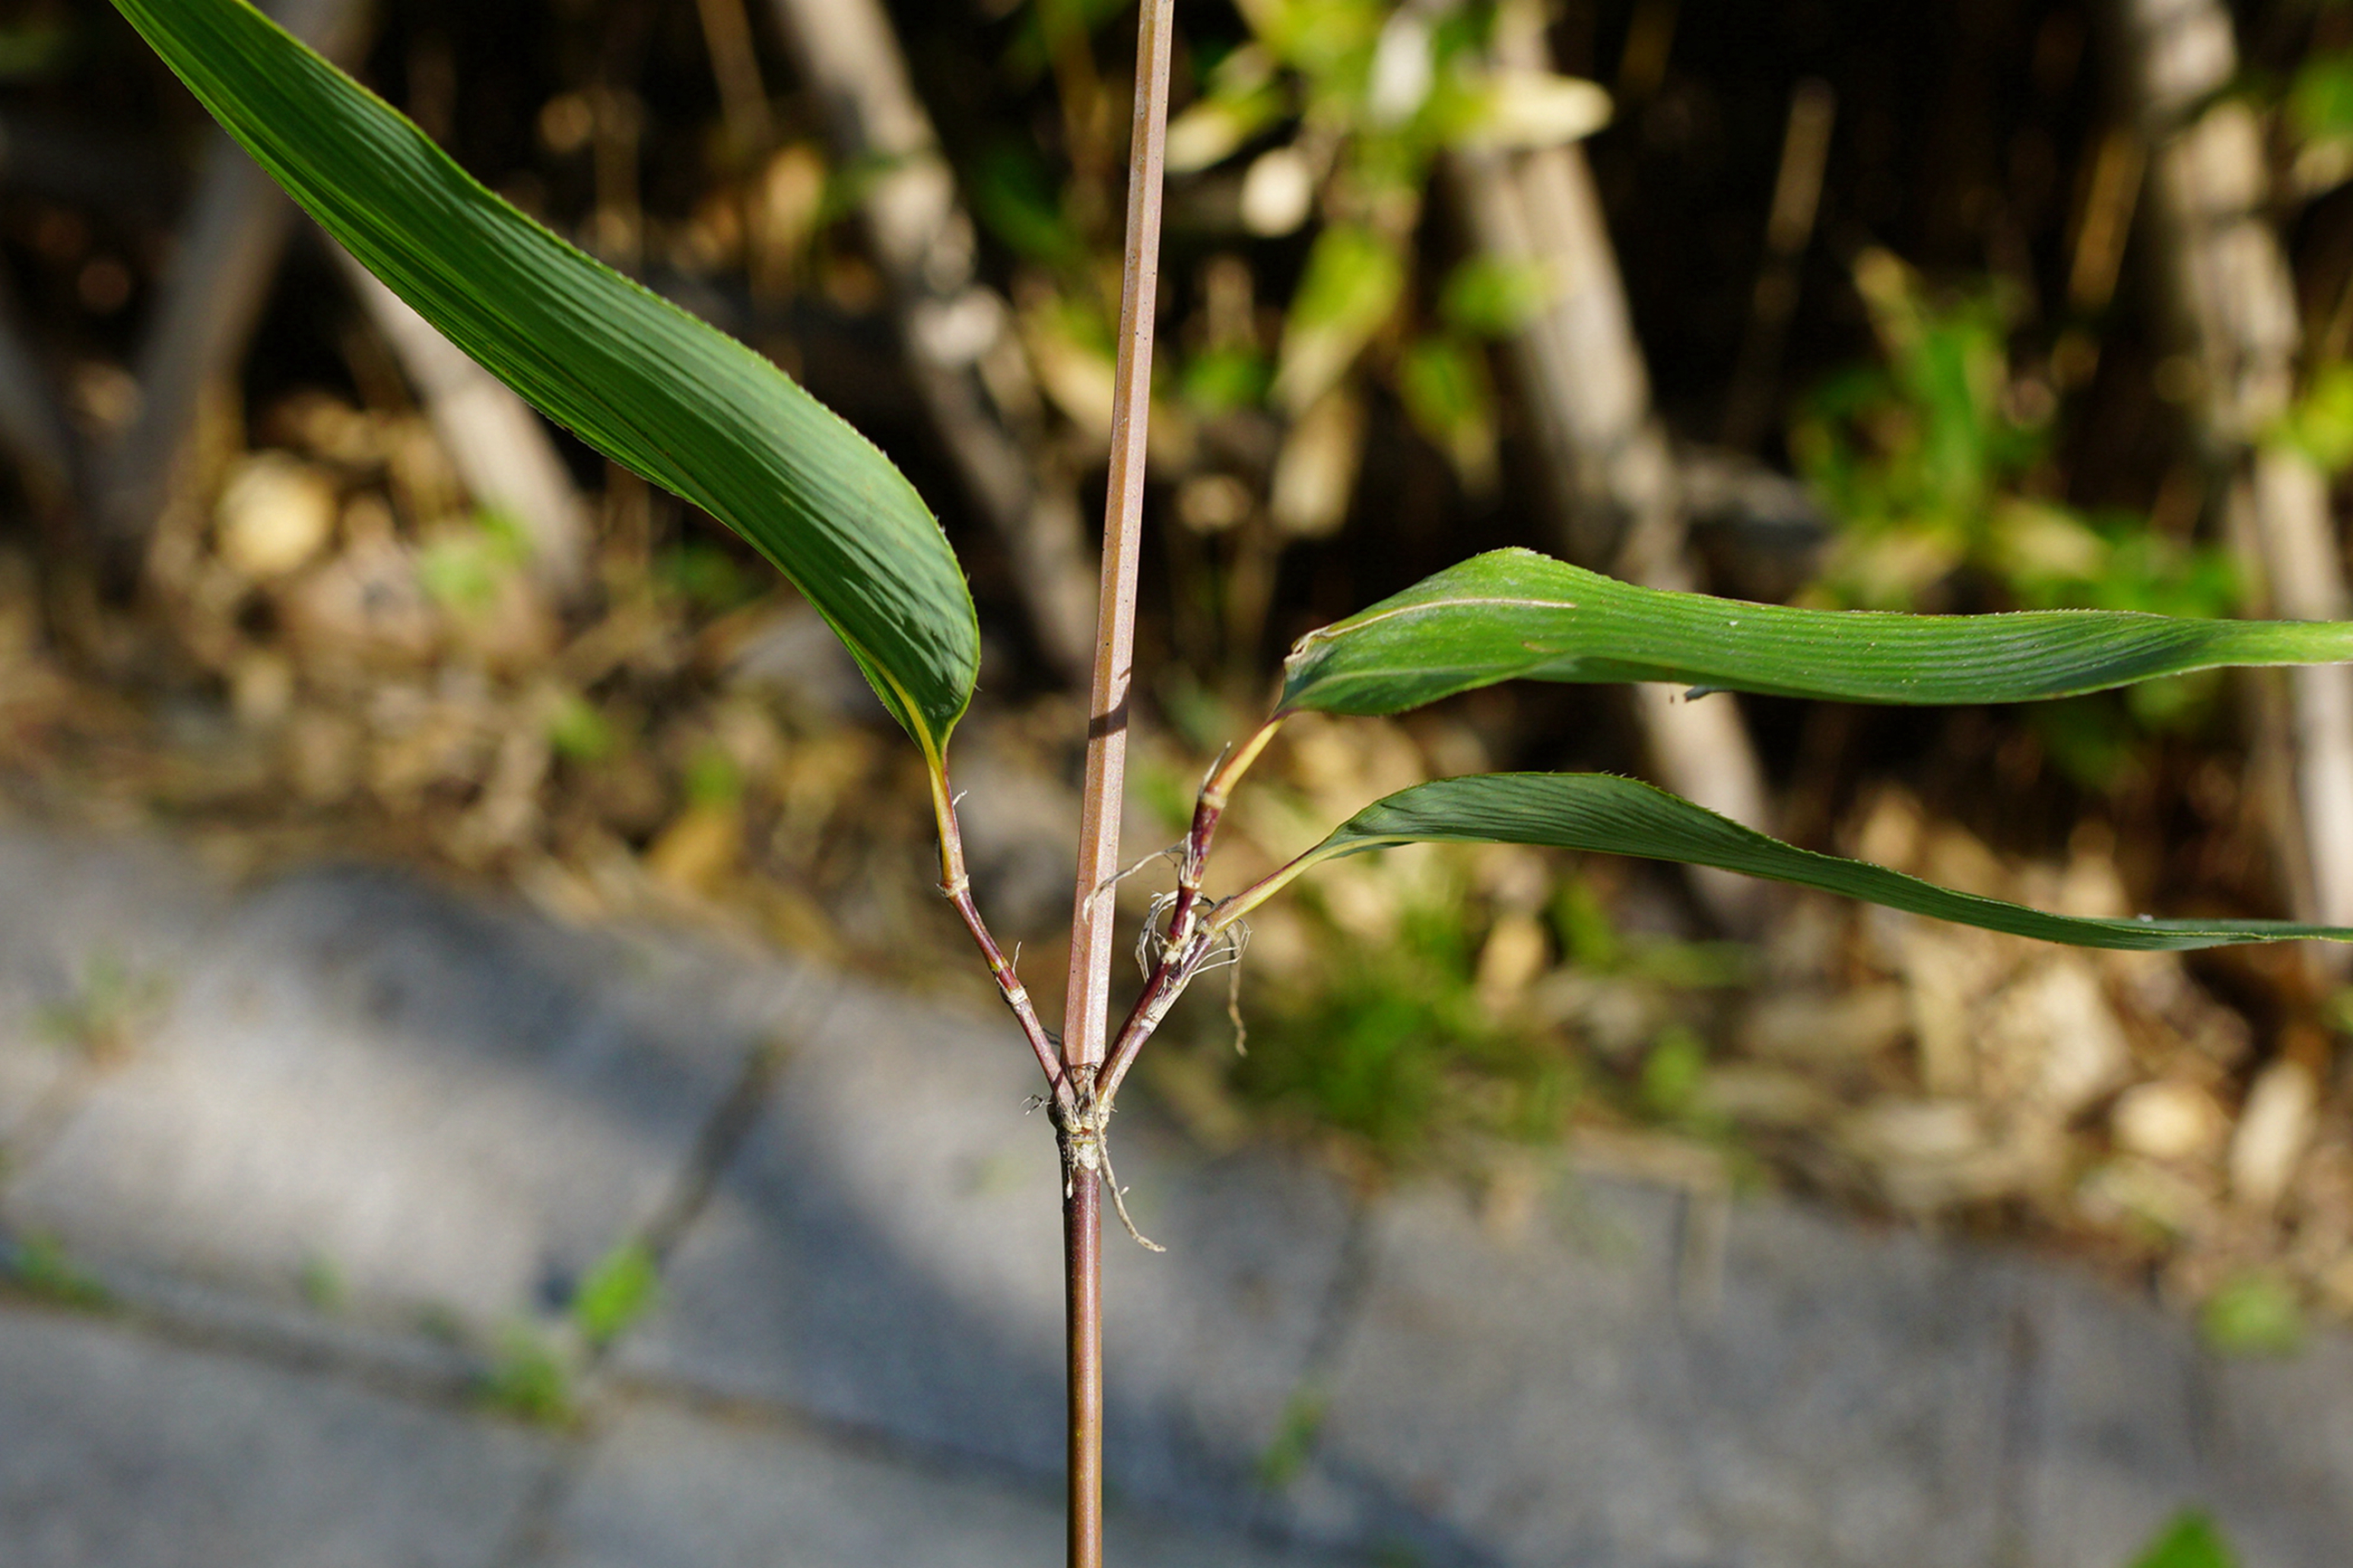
(1951, 383)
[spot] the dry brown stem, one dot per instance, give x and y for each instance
(2236, 302)
(1614, 476)
(501, 449)
(236, 226)
(957, 332)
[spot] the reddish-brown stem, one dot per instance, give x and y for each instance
(1016, 994)
(1208, 810)
(1192, 864)
(1187, 949)
(1086, 1014)
(1082, 1243)
(1169, 977)
(956, 884)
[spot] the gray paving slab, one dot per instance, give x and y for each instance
(1838, 1397)
(667, 1490)
(117, 1451)
(453, 1106)
(2281, 1455)
(2132, 1421)
(88, 929)
(433, 1106)
(2111, 1425)
(1564, 1394)
(1851, 1395)
(887, 1252)
(1522, 1400)
(38, 1080)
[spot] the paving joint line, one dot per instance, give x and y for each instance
(1336, 1320)
(722, 1137)
(2014, 1456)
(756, 1415)
(451, 1390)
(762, 1414)
(168, 1309)
(45, 1122)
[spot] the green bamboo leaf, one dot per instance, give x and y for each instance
(1515, 615)
(1606, 814)
(637, 378)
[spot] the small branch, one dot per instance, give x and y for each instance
(1239, 905)
(956, 884)
(1189, 942)
(1169, 978)
(1208, 810)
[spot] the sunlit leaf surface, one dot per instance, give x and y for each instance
(1607, 814)
(641, 381)
(1514, 614)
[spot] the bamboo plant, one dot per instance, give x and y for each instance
(691, 409)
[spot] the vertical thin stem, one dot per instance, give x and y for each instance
(1082, 1249)
(1085, 1014)
(742, 99)
(1091, 947)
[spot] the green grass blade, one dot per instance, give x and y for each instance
(2188, 1540)
(1514, 614)
(637, 378)
(1607, 814)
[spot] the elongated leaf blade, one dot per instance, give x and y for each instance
(1514, 614)
(1608, 815)
(637, 378)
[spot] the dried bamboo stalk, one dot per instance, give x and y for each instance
(743, 97)
(2232, 291)
(957, 334)
(32, 425)
(501, 449)
(1582, 371)
(230, 241)
(1789, 230)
